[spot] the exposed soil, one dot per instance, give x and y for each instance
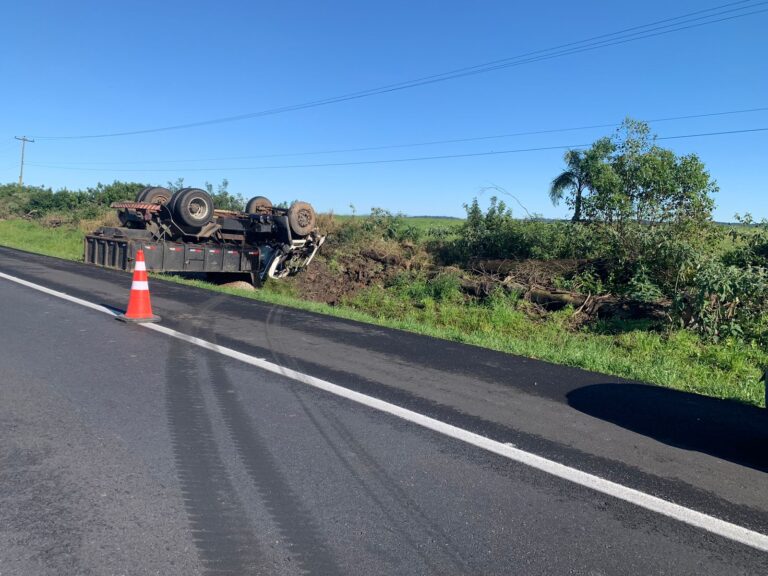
(330, 283)
(335, 276)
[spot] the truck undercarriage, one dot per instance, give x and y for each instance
(183, 232)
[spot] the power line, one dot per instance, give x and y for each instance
(682, 22)
(389, 160)
(425, 143)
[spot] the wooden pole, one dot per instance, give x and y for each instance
(24, 141)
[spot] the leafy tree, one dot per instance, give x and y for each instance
(632, 179)
(650, 208)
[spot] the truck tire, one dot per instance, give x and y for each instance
(302, 219)
(192, 207)
(154, 195)
(140, 194)
(257, 204)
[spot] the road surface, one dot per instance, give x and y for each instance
(127, 451)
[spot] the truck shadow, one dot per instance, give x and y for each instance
(721, 428)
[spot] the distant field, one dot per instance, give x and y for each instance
(421, 222)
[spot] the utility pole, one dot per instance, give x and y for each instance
(24, 141)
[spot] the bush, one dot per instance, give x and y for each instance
(642, 289)
(39, 201)
(748, 244)
(380, 224)
(496, 234)
(725, 301)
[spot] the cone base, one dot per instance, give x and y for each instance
(124, 318)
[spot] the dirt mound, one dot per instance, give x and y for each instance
(330, 281)
(240, 285)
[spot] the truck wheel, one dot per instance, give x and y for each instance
(301, 217)
(154, 195)
(257, 204)
(193, 207)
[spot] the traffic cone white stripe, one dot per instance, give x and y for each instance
(141, 265)
(140, 285)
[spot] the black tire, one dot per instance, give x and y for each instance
(126, 221)
(192, 207)
(154, 195)
(122, 217)
(140, 195)
(302, 218)
(258, 204)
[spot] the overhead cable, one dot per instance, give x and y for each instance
(388, 160)
(686, 21)
(424, 143)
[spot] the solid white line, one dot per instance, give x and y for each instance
(670, 509)
(61, 295)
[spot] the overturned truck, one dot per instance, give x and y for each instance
(183, 232)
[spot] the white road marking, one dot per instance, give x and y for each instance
(61, 295)
(655, 504)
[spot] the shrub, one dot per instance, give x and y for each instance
(748, 243)
(725, 301)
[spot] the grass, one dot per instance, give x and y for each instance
(422, 223)
(675, 359)
(64, 242)
(418, 221)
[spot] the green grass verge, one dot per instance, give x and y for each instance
(676, 359)
(64, 242)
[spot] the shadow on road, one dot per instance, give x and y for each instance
(720, 428)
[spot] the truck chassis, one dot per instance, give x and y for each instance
(260, 244)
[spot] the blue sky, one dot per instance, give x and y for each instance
(93, 67)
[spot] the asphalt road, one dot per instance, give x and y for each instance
(124, 451)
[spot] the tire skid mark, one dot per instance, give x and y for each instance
(369, 487)
(221, 530)
(296, 525)
(407, 505)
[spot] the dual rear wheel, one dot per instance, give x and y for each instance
(154, 195)
(193, 208)
(301, 215)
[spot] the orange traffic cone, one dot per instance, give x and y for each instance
(139, 306)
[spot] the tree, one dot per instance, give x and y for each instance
(576, 181)
(573, 180)
(176, 186)
(223, 199)
(648, 208)
(632, 179)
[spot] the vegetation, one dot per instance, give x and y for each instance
(640, 283)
